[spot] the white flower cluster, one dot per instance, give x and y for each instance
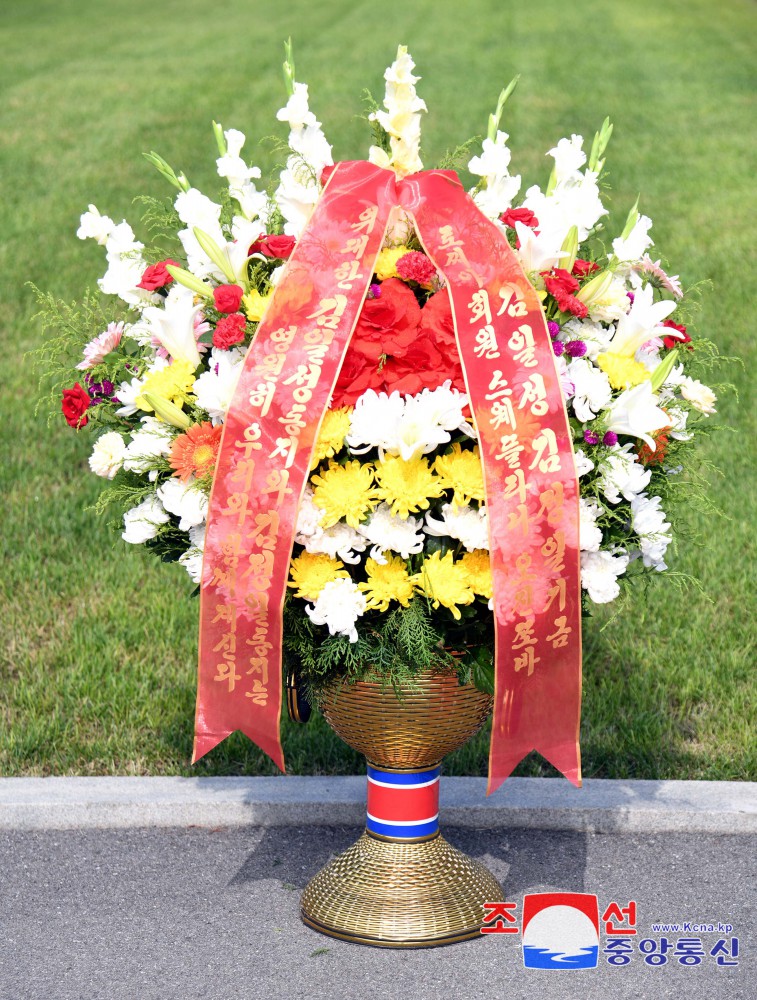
(300, 182)
(402, 118)
(497, 188)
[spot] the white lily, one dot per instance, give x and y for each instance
(636, 326)
(635, 412)
(174, 325)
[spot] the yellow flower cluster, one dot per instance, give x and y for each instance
(461, 471)
(172, 383)
(310, 572)
(390, 582)
(386, 263)
(623, 372)
(406, 486)
(345, 491)
(336, 424)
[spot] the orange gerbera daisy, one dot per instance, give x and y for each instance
(195, 451)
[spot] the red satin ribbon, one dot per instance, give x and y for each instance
(272, 425)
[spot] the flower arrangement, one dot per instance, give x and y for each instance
(390, 565)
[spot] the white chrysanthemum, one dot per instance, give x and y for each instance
(191, 560)
(590, 536)
(631, 248)
(151, 442)
(648, 521)
(215, 387)
(594, 335)
(127, 392)
(107, 455)
(591, 389)
(584, 464)
(599, 575)
(308, 517)
(387, 532)
(142, 522)
(401, 120)
(185, 500)
(678, 419)
(374, 420)
(339, 541)
(467, 525)
(499, 187)
(339, 605)
(621, 474)
(699, 395)
(93, 226)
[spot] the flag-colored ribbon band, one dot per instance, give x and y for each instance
(403, 805)
(526, 453)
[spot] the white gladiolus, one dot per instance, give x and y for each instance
(239, 176)
(107, 455)
(184, 500)
(648, 521)
(125, 267)
(197, 211)
(299, 183)
(631, 248)
(599, 575)
(499, 187)
(143, 522)
(93, 226)
(401, 120)
(622, 474)
(215, 387)
(636, 412)
(339, 605)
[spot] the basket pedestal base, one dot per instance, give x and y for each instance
(391, 894)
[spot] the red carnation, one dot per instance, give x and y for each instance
(562, 286)
(583, 267)
(156, 275)
(74, 406)
(388, 324)
(227, 298)
(524, 215)
(415, 266)
(671, 342)
(274, 246)
(229, 331)
(436, 319)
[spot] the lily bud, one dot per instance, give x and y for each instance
(633, 218)
(216, 254)
(595, 288)
(220, 139)
(570, 249)
(167, 411)
(664, 369)
(167, 171)
(188, 279)
(494, 119)
(289, 67)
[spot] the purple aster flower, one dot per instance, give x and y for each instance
(554, 328)
(558, 347)
(591, 437)
(107, 388)
(576, 348)
(610, 439)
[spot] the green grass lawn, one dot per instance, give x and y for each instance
(97, 669)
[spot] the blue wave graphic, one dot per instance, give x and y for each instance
(545, 958)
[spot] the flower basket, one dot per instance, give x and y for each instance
(377, 418)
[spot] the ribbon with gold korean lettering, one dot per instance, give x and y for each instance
(272, 425)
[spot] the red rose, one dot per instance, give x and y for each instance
(229, 331)
(75, 404)
(583, 267)
(156, 276)
(561, 286)
(671, 342)
(524, 215)
(274, 246)
(388, 324)
(227, 298)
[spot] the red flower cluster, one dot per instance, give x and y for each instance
(227, 298)
(229, 331)
(524, 215)
(583, 267)
(75, 405)
(156, 276)
(656, 456)
(399, 347)
(562, 287)
(415, 266)
(671, 342)
(274, 246)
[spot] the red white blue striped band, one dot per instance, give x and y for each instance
(403, 805)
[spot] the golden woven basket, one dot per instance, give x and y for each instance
(385, 891)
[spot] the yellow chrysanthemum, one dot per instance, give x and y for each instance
(445, 582)
(406, 486)
(344, 491)
(461, 471)
(336, 424)
(479, 571)
(622, 372)
(390, 582)
(255, 305)
(172, 383)
(310, 573)
(386, 264)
